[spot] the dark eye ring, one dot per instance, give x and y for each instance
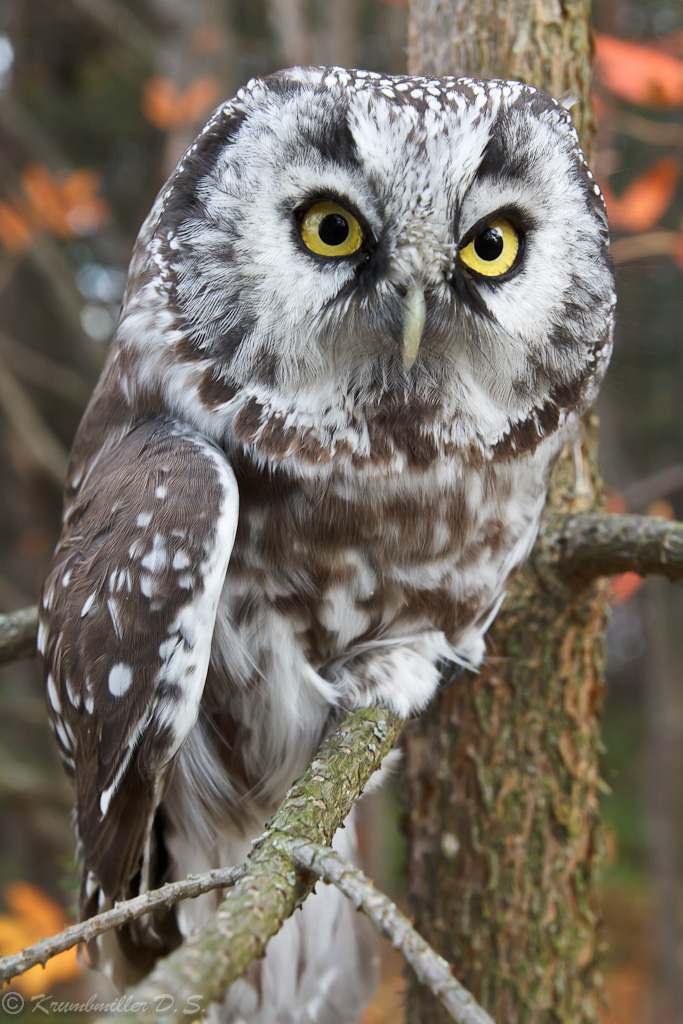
(327, 229)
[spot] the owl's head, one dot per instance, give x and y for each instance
(336, 237)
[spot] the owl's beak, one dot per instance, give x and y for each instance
(414, 312)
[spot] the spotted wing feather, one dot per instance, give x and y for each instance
(127, 618)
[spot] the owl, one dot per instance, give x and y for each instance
(362, 320)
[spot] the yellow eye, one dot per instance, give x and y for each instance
(494, 250)
(329, 230)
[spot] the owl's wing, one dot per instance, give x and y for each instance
(127, 619)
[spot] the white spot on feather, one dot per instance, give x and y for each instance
(53, 696)
(157, 558)
(42, 637)
(181, 560)
(120, 678)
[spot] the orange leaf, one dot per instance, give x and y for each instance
(640, 74)
(68, 207)
(85, 210)
(47, 206)
(614, 501)
(35, 916)
(166, 107)
(646, 199)
(661, 508)
(623, 587)
(15, 231)
(199, 98)
(159, 101)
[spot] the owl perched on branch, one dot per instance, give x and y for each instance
(362, 320)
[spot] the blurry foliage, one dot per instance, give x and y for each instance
(67, 207)
(167, 107)
(641, 74)
(96, 102)
(34, 916)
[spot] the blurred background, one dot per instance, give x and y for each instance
(98, 99)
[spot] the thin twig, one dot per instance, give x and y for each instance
(46, 450)
(120, 914)
(644, 246)
(656, 133)
(430, 968)
(46, 373)
(658, 485)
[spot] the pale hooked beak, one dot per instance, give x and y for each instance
(414, 312)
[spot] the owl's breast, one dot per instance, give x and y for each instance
(357, 559)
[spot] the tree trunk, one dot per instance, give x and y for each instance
(501, 773)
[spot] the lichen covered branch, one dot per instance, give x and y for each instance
(18, 635)
(601, 544)
(200, 971)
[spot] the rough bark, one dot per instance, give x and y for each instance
(544, 43)
(501, 778)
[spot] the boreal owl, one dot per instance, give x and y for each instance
(362, 319)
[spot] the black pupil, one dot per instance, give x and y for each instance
(489, 244)
(333, 229)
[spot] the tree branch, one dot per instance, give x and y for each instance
(430, 968)
(602, 544)
(273, 885)
(644, 246)
(121, 913)
(18, 635)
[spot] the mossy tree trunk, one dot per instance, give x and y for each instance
(501, 773)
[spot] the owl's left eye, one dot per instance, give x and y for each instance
(493, 250)
(329, 230)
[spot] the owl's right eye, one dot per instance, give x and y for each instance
(327, 229)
